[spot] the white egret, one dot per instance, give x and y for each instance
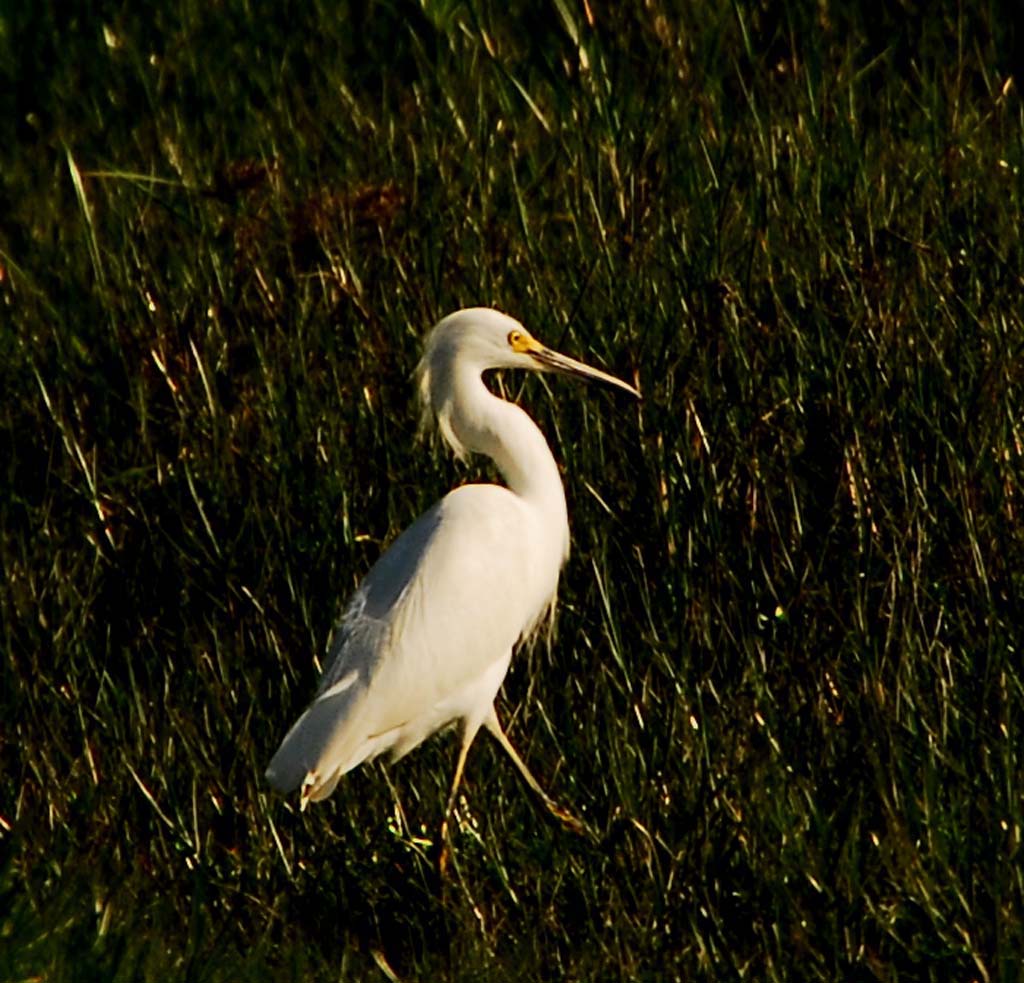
(427, 638)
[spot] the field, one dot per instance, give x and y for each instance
(786, 687)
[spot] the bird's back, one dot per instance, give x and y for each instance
(427, 637)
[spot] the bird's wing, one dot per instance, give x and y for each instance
(443, 604)
(361, 637)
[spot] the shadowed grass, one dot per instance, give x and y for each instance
(785, 687)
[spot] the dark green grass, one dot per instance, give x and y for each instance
(786, 687)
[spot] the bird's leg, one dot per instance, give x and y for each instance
(566, 818)
(467, 740)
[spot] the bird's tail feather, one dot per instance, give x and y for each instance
(314, 750)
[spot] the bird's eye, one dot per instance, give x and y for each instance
(515, 338)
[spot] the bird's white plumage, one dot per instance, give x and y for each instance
(427, 638)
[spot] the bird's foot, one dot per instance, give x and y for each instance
(444, 852)
(443, 856)
(568, 820)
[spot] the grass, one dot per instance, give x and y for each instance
(786, 687)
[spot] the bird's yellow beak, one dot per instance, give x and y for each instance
(551, 361)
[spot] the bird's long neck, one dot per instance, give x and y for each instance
(505, 433)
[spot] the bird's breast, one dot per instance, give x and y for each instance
(483, 578)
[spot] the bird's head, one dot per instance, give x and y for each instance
(476, 339)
